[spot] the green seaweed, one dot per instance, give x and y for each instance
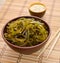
(26, 32)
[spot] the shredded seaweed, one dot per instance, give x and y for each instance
(26, 32)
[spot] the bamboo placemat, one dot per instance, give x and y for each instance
(15, 8)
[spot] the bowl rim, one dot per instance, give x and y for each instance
(28, 46)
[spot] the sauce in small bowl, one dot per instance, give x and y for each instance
(37, 9)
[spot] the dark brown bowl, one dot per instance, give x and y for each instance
(26, 50)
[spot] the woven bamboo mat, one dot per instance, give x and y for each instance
(15, 8)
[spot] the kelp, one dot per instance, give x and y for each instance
(26, 32)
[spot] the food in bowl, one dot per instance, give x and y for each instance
(37, 9)
(26, 32)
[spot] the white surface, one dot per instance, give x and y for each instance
(37, 8)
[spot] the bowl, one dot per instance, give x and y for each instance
(37, 9)
(26, 50)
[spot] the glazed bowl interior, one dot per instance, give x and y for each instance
(30, 48)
